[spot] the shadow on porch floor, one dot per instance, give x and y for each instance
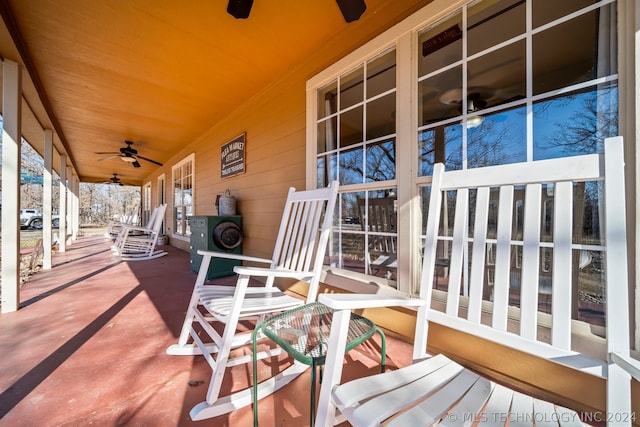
(88, 347)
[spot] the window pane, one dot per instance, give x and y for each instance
(575, 123)
(350, 213)
(188, 214)
(351, 167)
(570, 62)
(425, 195)
(352, 88)
(328, 100)
(483, 19)
(327, 135)
(381, 74)
(327, 169)
(381, 161)
(440, 45)
(351, 127)
(497, 78)
(352, 251)
(442, 144)
(588, 201)
(177, 214)
(499, 138)
(545, 11)
(177, 193)
(381, 117)
(440, 97)
(591, 269)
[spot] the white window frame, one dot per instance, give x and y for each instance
(189, 159)
(162, 198)
(146, 203)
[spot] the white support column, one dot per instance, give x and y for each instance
(62, 231)
(72, 207)
(76, 207)
(11, 139)
(47, 199)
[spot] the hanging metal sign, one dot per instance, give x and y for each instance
(232, 157)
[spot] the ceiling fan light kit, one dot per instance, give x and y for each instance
(115, 179)
(128, 155)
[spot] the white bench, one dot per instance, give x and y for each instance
(437, 389)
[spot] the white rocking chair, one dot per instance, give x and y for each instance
(437, 389)
(124, 229)
(115, 226)
(299, 254)
(139, 243)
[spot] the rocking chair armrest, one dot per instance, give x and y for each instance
(129, 227)
(359, 301)
(227, 255)
(629, 364)
(266, 272)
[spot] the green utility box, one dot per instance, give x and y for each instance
(218, 234)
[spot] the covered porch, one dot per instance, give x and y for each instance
(85, 83)
(88, 347)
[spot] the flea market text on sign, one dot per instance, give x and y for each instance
(232, 157)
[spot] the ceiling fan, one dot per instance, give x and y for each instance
(115, 179)
(351, 10)
(128, 154)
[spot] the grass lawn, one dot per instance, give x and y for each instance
(29, 238)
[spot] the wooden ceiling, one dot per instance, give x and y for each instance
(157, 73)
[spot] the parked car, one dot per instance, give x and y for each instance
(32, 218)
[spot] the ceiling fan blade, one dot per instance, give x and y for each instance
(149, 160)
(107, 152)
(109, 157)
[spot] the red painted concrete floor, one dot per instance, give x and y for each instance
(87, 347)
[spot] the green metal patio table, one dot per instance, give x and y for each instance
(303, 332)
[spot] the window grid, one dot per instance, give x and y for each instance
(183, 196)
(538, 98)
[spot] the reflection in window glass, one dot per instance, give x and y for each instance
(440, 45)
(381, 74)
(441, 144)
(351, 127)
(327, 135)
(381, 117)
(328, 100)
(569, 62)
(352, 88)
(350, 211)
(425, 195)
(545, 11)
(575, 123)
(351, 167)
(381, 158)
(440, 97)
(485, 17)
(351, 252)
(327, 169)
(500, 138)
(497, 78)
